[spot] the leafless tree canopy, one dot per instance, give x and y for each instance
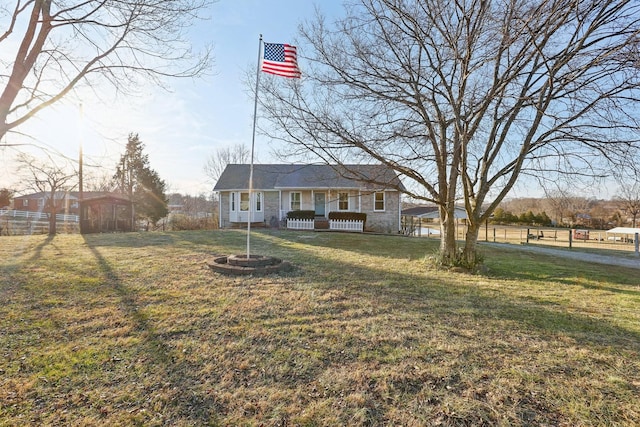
(49, 178)
(51, 46)
(629, 200)
(218, 161)
(463, 97)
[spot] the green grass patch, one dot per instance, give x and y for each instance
(135, 329)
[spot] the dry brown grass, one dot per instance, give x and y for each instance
(134, 329)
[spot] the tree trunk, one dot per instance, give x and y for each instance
(448, 246)
(470, 252)
(52, 224)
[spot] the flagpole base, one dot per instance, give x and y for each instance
(253, 265)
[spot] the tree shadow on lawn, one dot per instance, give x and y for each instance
(14, 263)
(174, 377)
(392, 246)
(403, 292)
(129, 239)
(393, 323)
(544, 315)
(367, 297)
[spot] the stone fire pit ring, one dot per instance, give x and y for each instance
(256, 265)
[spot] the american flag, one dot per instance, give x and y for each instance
(281, 60)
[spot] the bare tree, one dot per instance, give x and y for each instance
(462, 98)
(58, 45)
(629, 200)
(52, 180)
(218, 161)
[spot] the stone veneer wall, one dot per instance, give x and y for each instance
(271, 207)
(387, 221)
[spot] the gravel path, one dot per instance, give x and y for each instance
(577, 255)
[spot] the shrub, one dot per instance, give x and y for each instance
(178, 222)
(301, 214)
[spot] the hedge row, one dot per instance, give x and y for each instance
(301, 215)
(349, 216)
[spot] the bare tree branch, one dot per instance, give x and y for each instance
(463, 98)
(65, 44)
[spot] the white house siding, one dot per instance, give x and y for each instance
(387, 221)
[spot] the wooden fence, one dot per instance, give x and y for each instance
(300, 224)
(40, 216)
(346, 225)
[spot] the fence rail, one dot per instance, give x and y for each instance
(300, 224)
(346, 225)
(41, 216)
(547, 236)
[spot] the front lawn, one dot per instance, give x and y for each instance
(135, 329)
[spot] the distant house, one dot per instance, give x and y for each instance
(37, 202)
(279, 188)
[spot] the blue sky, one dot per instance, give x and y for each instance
(181, 128)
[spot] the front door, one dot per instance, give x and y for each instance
(319, 201)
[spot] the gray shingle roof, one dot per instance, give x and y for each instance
(281, 177)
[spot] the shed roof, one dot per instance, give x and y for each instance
(432, 212)
(291, 176)
(624, 230)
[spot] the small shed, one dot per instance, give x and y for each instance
(622, 234)
(104, 212)
(416, 218)
(431, 212)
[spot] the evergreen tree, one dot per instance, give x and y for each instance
(135, 178)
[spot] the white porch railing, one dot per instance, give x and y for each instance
(346, 225)
(36, 215)
(300, 224)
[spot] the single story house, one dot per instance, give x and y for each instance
(67, 202)
(280, 188)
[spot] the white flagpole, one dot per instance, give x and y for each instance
(253, 143)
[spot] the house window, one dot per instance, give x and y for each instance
(294, 199)
(25, 203)
(378, 201)
(40, 203)
(343, 201)
(244, 202)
